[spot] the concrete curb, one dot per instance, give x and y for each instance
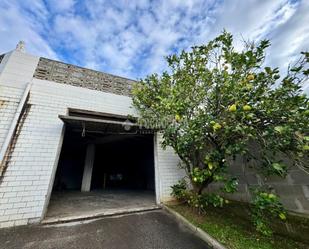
(96, 215)
(197, 231)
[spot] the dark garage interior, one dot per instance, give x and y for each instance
(124, 162)
(71, 162)
(122, 174)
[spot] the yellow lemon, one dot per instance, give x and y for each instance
(177, 117)
(306, 147)
(250, 77)
(232, 108)
(210, 165)
(217, 126)
(282, 216)
(246, 108)
(195, 179)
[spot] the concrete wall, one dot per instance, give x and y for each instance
(293, 190)
(27, 182)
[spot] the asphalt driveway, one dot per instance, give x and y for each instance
(156, 229)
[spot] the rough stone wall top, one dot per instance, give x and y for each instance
(77, 76)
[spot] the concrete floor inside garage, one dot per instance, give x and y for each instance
(102, 173)
(71, 205)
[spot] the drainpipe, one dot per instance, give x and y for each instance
(13, 127)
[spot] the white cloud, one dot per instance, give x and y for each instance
(61, 5)
(131, 38)
(291, 37)
(16, 26)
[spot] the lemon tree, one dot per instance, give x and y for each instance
(215, 103)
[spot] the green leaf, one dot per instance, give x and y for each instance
(279, 129)
(279, 168)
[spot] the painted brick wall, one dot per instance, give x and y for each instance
(29, 175)
(17, 69)
(168, 170)
(28, 179)
(16, 72)
(9, 100)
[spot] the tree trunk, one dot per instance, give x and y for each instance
(197, 188)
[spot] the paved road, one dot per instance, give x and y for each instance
(149, 230)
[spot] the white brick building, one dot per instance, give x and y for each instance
(31, 132)
(43, 103)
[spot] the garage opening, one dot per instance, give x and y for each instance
(106, 166)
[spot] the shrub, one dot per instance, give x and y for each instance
(179, 190)
(266, 206)
(195, 200)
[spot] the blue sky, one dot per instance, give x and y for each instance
(130, 38)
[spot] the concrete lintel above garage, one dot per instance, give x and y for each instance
(103, 125)
(98, 125)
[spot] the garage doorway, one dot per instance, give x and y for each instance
(106, 166)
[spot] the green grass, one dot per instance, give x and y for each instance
(231, 226)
